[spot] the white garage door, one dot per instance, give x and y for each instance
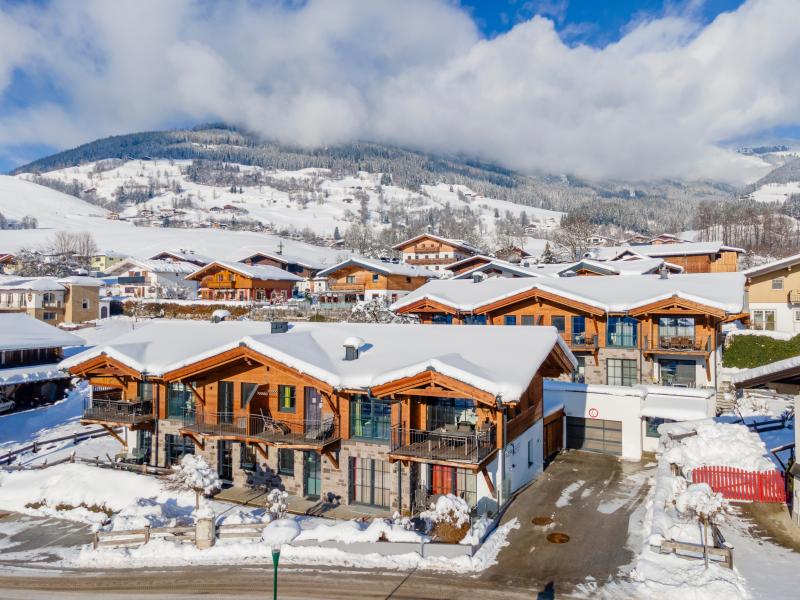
(597, 435)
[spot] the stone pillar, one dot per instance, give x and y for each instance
(204, 533)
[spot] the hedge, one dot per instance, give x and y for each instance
(748, 351)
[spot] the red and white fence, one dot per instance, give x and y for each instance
(738, 484)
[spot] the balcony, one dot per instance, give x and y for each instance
(451, 443)
(133, 412)
(430, 261)
(679, 345)
(580, 341)
(258, 428)
(352, 288)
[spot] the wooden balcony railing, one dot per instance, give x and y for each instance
(430, 261)
(299, 432)
(357, 288)
(118, 411)
(580, 341)
(457, 444)
(679, 344)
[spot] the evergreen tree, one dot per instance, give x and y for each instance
(548, 257)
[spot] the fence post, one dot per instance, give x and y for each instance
(146, 533)
(204, 533)
(35, 447)
(95, 540)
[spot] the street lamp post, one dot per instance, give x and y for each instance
(276, 554)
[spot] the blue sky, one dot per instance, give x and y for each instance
(596, 88)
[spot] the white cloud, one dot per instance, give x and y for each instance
(655, 104)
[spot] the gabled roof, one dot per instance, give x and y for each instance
(34, 284)
(474, 258)
(153, 266)
(512, 269)
(183, 255)
(257, 272)
(661, 250)
(488, 360)
(719, 291)
(776, 265)
(379, 266)
(641, 266)
(286, 259)
(23, 332)
(453, 242)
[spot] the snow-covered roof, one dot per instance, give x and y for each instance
(451, 241)
(31, 374)
(641, 266)
(284, 258)
(723, 291)
(656, 250)
(184, 255)
(259, 272)
(678, 407)
(23, 332)
(509, 268)
(385, 267)
(787, 366)
(488, 359)
(776, 265)
(81, 281)
(34, 284)
(153, 266)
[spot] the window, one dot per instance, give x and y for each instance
(528, 320)
(797, 315)
(370, 482)
(764, 320)
(176, 447)
(675, 327)
(777, 283)
(220, 278)
(475, 320)
(558, 321)
(247, 457)
(510, 320)
(621, 332)
(451, 411)
(286, 462)
(145, 391)
(85, 304)
(452, 480)
(248, 393)
(621, 371)
(375, 277)
(370, 418)
(651, 425)
(286, 398)
(579, 374)
(442, 319)
(49, 316)
(678, 373)
(530, 453)
(578, 330)
(350, 279)
(225, 402)
(180, 401)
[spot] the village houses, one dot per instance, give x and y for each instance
(223, 280)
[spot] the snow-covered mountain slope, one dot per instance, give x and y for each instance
(308, 198)
(776, 192)
(57, 211)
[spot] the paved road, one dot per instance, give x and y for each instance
(590, 497)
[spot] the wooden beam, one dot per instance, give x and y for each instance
(329, 401)
(329, 455)
(198, 439)
(260, 450)
(193, 387)
(488, 480)
(114, 434)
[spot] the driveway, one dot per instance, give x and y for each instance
(589, 497)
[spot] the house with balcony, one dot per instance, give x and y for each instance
(137, 278)
(385, 416)
(222, 280)
(357, 279)
(73, 299)
(296, 265)
(693, 257)
(652, 329)
(434, 252)
(30, 352)
(773, 295)
(104, 260)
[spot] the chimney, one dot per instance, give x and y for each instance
(278, 326)
(477, 277)
(351, 346)
(664, 272)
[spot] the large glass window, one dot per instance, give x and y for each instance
(651, 425)
(764, 320)
(621, 332)
(370, 481)
(510, 320)
(145, 391)
(451, 411)
(678, 373)
(620, 371)
(475, 320)
(286, 462)
(180, 401)
(528, 320)
(248, 393)
(175, 446)
(225, 402)
(442, 319)
(286, 398)
(578, 329)
(247, 457)
(452, 480)
(370, 418)
(559, 322)
(670, 328)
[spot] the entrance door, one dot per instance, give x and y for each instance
(312, 475)
(225, 460)
(225, 402)
(597, 435)
(313, 407)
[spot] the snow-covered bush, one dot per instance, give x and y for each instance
(376, 311)
(277, 505)
(196, 475)
(448, 518)
(700, 500)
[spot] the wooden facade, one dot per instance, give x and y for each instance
(433, 252)
(219, 283)
(354, 282)
(279, 262)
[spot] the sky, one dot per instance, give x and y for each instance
(617, 89)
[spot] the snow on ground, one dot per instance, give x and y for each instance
(776, 192)
(568, 492)
(775, 335)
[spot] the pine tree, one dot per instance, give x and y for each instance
(336, 234)
(548, 257)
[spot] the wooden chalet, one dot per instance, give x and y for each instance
(433, 252)
(357, 279)
(298, 266)
(220, 280)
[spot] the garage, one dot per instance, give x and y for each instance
(596, 435)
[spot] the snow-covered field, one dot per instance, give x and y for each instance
(776, 192)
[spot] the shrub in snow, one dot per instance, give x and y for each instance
(700, 500)
(194, 474)
(448, 518)
(376, 311)
(277, 505)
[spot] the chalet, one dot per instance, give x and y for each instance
(29, 355)
(67, 300)
(584, 267)
(221, 280)
(7, 263)
(293, 264)
(105, 260)
(188, 256)
(136, 278)
(375, 415)
(357, 279)
(694, 257)
(773, 292)
(662, 329)
(467, 264)
(434, 252)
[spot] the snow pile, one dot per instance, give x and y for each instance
(699, 499)
(349, 532)
(280, 532)
(277, 504)
(716, 444)
(448, 508)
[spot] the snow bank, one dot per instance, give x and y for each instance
(775, 335)
(716, 444)
(349, 532)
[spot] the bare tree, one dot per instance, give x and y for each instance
(574, 234)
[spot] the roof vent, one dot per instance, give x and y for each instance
(278, 327)
(478, 277)
(664, 272)
(351, 346)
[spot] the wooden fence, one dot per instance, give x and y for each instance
(718, 551)
(139, 537)
(738, 484)
(38, 444)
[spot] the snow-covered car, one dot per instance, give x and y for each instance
(6, 405)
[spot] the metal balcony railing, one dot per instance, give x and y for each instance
(118, 411)
(263, 428)
(456, 443)
(677, 343)
(580, 341)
